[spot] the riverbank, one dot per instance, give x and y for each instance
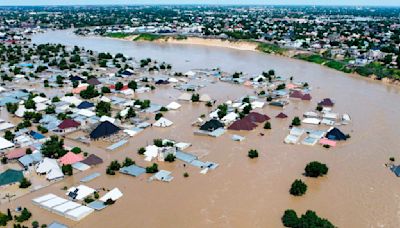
(371, 71)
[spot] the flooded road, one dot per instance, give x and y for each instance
(357, 192)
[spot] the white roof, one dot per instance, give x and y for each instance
(39, 99)
(113, 194)
(72, 100)
(185, 97)
(79, 213)
(163, 122)
(83, 191)
(190, 73)
(105, 99)
(21, 111)
(86, 112)
(5, 126)
(151, 152)
(53, 202)
(311, 121)
(62, 208)
(43, 198)
(173, 105)
(41, 107)
(50, 167)
(173, 80)
(311, 114)
(257, 104)
(107, 118)
(330, 115)
(127, 92)
(205, 98)
(4, 143)
(230, 117)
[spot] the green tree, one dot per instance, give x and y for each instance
(152, 169)
(132, 85)
(267, 125)
(169, 158)
(103, 109)
(128, 162)
(24, 183)
(298, 188)
(9, 135)
(195, 97)
(296, 121)
(12, 107)
(53, 148)
(290, 219)
(253, 154)
(119, 86)
(316, 169)
(67, 170)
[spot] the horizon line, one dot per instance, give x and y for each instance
(197, 4)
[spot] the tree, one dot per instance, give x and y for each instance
(290, 219)
(53, 148)
(76, 150)
(132, 85)
(267, 125)
(158, 116)
(152, 169)
(114, 166)
(281, 86)
(195, 97)
(9, 135)
(30, 104)
(89, 92)
(128, 162)
(316, 169)
(298, 188)
(12, 107)
(309, 219)
(24, 183)
(105, 89)
(119, 86)
(247, 109)
(253, 154)
(222, 110)
(103, 109)
(25, 215)
(169, 158)
(3, 219)
(35, 224)
(141, 150)
(67, 170)
(296, 121)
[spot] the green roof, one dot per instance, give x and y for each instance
(10, 176)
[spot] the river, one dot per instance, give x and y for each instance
(357, 192)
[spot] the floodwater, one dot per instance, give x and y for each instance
(357, 192)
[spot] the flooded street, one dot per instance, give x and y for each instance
(357, 192)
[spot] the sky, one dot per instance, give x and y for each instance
(241, 2)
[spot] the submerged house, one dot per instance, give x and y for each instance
(336, 134)
(68, 125)
(10, 176)
(211, 125)
(281, 115)
(242, 124)
(326, 102)
(104, 129)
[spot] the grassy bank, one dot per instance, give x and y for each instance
(270, 48)
(334, 64)
(148, 37)
(371, 69)
(117, 35)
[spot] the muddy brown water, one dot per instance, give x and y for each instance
(357, 192)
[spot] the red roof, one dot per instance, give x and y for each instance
(243, 124)
(306, 97)
(281, 115)
(326, 102)
(125, 87)
(256, 117)
(17, 153)
(296, 94)
(68, 123)
(71, 158)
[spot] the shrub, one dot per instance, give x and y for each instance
(309, 219)
(67, 170)
(141, 150)
(170, 158)
(195, 97)
(88, 199)
(76, 150)
(296, 121)
(25, 215)
(298, 188)
(253, 154)
(24, 183)
(152, 169)
(185, 174)
(267, 125)
(128, 162)
(316, 169)
(158, 116)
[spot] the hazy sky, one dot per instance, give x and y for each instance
(266, 2)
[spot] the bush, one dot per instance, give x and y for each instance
(76, 150)
(24, 183)
(158, 116)
(195, 97)
(170, 158)
(88, 199)
(298, 188)
(253, 154)
(67, 170)
(141, 150)
(25, 215)
(309, 219)
(316, 169)
(185, 174)
(152, 169)
(296, 121)
(35, 224)
(128, 162)
(267, 125)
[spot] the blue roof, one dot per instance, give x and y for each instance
(57, 225)
(5, 100)
(396, 170)
(30, 159)
(85, 104)
(133, 170)
(97, 205)
(186, 157)
(90, 177)
(36, 135)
